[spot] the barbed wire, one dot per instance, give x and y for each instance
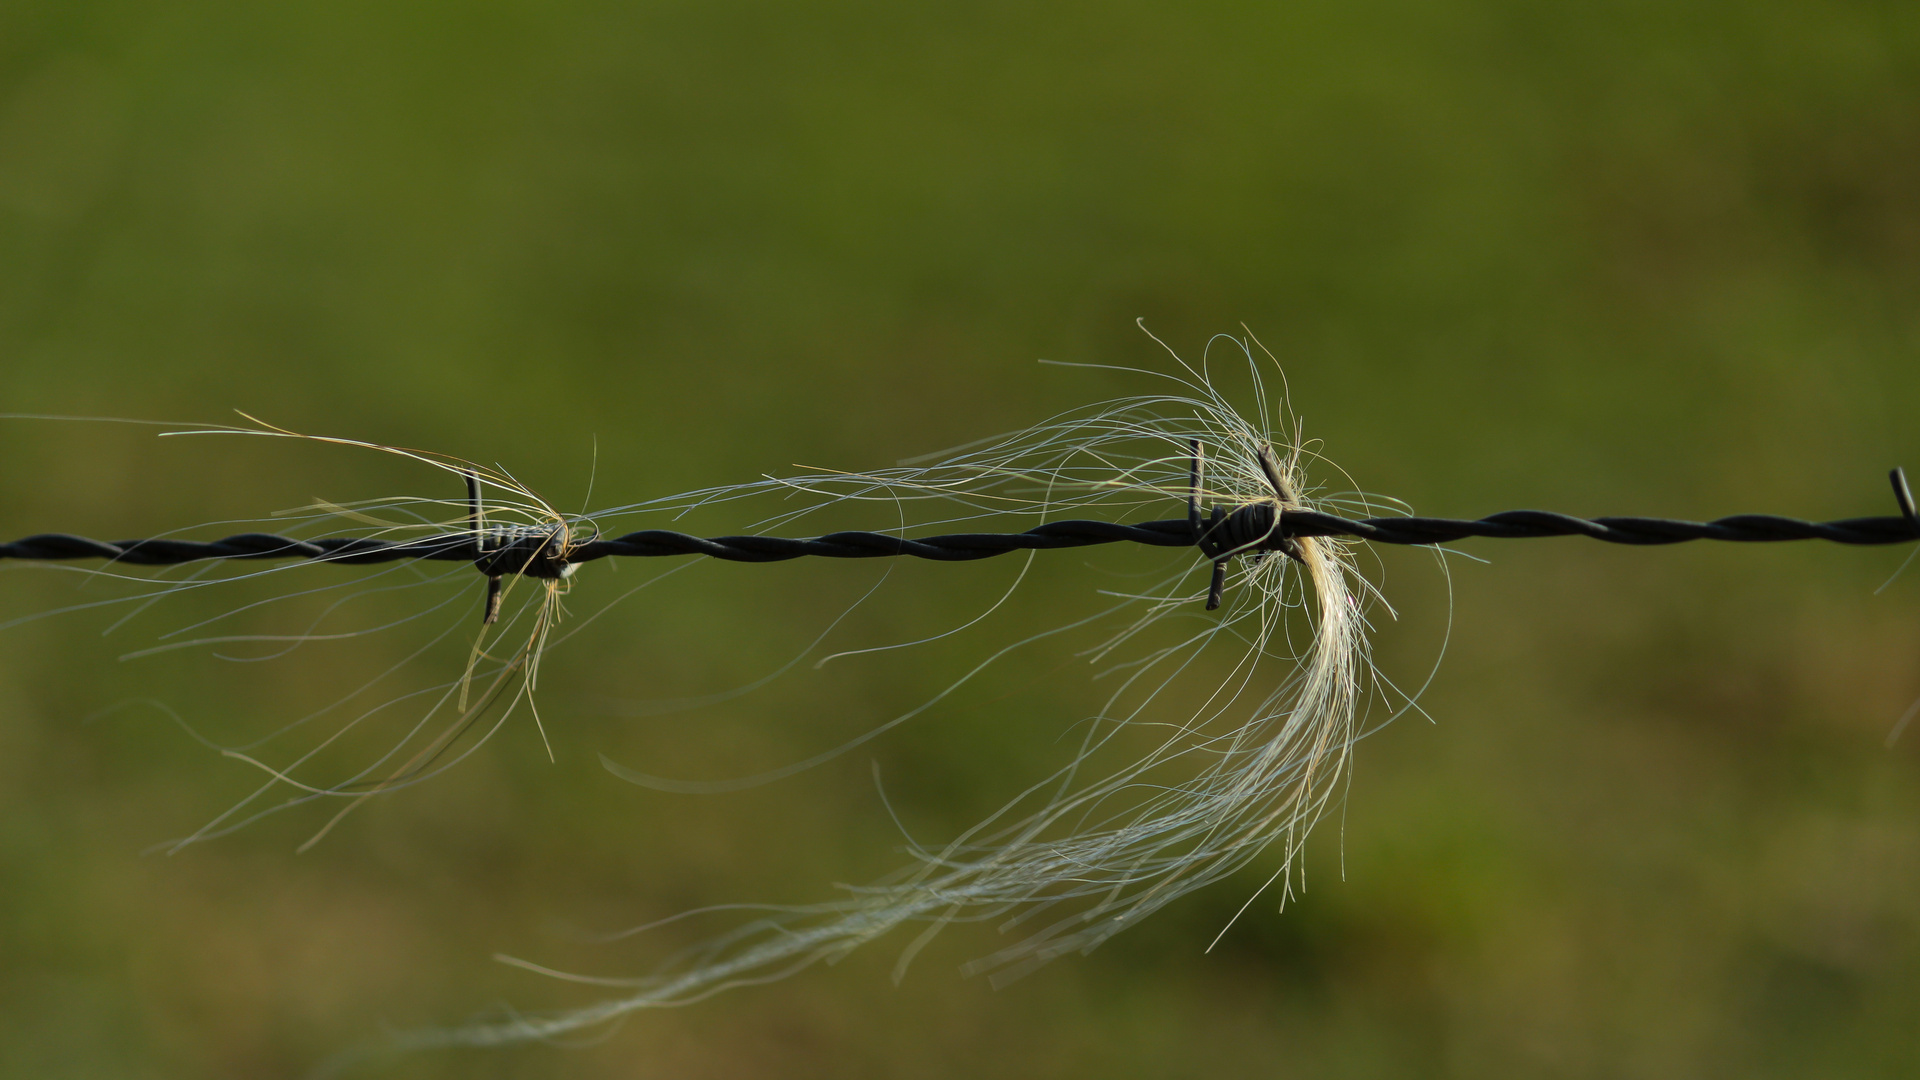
(1253, 527)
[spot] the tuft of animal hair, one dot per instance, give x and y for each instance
(442, 722)
(1238, 773)
(1243, 774)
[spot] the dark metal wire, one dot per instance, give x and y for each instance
(962, 547)
(1260, 527)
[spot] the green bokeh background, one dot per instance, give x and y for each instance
(1619, 257)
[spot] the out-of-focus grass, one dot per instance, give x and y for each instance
(1611, 258)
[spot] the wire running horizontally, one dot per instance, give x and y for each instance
(964, 547)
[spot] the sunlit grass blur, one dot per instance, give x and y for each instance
(1614, 258)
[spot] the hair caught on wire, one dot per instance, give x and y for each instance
(1171, 786)
(1240, 772)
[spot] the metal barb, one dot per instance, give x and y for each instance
(1252, 529)
(477, 527)
(1903, 495)
(1270, 465)
(1193, 489)
(1203, 530)
(1218, 585)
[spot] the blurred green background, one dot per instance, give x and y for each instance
(1655, 258)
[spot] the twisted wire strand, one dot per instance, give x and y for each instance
(964, 547)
